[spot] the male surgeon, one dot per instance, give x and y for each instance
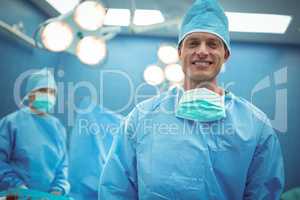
(199, 143)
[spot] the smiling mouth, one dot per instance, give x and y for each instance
(202, 63)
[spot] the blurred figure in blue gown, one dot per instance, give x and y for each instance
(32, 141)
(90, 141)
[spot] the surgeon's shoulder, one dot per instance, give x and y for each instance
(251, 109)
(140, 111)
(150, 105)
(12, 120)
(16, 115)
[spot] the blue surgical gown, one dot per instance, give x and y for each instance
(160, 156)
(90, 141)
(33, 152)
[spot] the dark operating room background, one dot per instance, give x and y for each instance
(249, 64)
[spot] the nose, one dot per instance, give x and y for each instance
(202, 50)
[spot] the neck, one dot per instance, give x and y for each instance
(211, 85)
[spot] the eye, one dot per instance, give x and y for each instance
(193, 43)
(214, 44)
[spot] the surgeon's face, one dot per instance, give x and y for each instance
(202, 56)
(48, 91)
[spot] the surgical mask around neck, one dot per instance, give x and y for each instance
(43, 102)
(202, 105)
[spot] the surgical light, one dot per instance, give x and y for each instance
(168, 54)
(174, 73)
(117, 17)
(154, 75)
(64, 6)
(91, 50)
(147, 17)
(258, 23)
(57, 36)
(89, 15)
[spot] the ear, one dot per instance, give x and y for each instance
(31, 98)
(226, 56)
(179, 51)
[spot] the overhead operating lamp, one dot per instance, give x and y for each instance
(168, 54)
(91, 50)
(80, 32)
(174, 73)
(57, 36)
(167, 72)
(89, 15)
(154, 75)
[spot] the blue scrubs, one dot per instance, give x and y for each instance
(90, 142)
(160, 156)
(33, 152)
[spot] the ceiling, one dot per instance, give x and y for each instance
(174, 10)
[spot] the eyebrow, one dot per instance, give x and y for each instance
(192, 38)
(215, 40)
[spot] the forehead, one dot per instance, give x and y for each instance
(202, 36)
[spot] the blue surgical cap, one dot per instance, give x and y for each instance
(40, 79)
(205, 16)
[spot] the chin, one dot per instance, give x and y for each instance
(203, 78)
